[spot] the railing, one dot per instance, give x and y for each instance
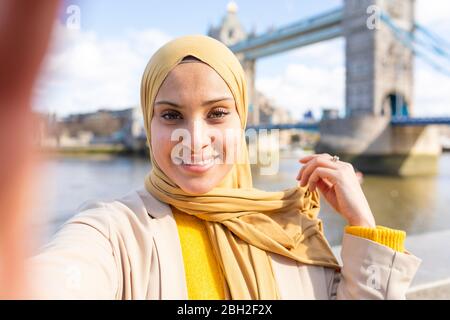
(395, 121)
(410, 121)
(308, 126)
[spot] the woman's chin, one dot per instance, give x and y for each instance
(200, 183)
(196, 186)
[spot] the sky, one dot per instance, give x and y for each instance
(100, 50)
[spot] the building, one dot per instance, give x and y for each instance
(100, 128)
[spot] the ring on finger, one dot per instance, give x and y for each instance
(335, 158)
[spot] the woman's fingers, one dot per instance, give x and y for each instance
(307, 158)
(308, 168)
(326, 183)
(302, 169)
(320, 174)
(323, 186)
(338, 182)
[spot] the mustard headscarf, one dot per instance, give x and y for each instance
(243, 223)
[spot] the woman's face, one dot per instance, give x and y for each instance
(195, 100)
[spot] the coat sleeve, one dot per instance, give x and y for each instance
(371, 271)
(78, 263)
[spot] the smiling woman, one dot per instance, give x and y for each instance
(183, 103)
(198, 229)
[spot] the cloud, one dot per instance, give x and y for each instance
(84, 73)
(431, 92)
(433, 12)
(316, 81)
(328, 54)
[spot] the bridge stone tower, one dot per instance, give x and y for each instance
(379, 68)
(230, 31)
(379, 85)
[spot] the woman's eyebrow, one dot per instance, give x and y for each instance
(205, 103)
(173, 104)
(216, 100)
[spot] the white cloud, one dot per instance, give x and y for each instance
(317, 81)
(432, 12)
(431, 92)
(84, 73)
(432, 95)
(300, 88)
(327, 54)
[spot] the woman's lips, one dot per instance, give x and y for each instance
(199, 167)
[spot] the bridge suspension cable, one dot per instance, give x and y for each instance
(426, 47)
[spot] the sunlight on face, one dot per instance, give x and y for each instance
(194, 99)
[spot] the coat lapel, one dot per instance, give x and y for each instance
(167, 242)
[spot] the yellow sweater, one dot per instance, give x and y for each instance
(204, 277)
(203, 273)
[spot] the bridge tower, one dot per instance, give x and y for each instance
(379, 85)
(379, 82)
(230, 31)
(379, 68)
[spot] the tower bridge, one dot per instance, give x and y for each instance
(379, 133)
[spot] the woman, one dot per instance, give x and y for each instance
(198, 229)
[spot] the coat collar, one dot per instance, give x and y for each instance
(167, 242)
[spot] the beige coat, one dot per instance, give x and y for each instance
(129, 249)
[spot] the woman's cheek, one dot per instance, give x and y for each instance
(166, 145)
(161, 141)
(232, 146)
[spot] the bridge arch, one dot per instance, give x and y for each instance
(396, 105)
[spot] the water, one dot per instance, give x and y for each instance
(416, 205)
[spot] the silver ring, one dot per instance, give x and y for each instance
(335, 159)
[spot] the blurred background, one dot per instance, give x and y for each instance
(366, 80)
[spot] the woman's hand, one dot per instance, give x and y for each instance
(339, 184)
(24, 38)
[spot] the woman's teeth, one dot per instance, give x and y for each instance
(201, 163)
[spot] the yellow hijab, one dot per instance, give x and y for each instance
(243, 223)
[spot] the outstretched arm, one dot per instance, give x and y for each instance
(25, 28)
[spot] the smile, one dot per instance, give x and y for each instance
(199, 167)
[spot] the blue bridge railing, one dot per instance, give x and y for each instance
(409, 121)
(395, 121)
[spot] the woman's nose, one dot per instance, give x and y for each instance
(200, 138)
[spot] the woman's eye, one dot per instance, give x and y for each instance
(218, 113)
(171, 115)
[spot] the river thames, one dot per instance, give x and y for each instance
(415, 204)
